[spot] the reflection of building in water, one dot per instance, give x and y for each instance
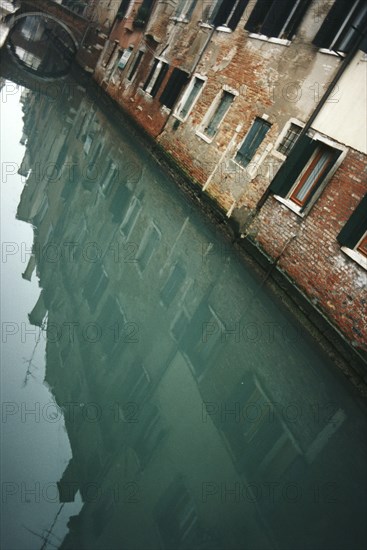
(198, 414)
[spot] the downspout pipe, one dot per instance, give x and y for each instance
(343, 66)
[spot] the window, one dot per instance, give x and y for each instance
(177, 518)
(184, 9)
(176, 82)
(252, 141)
(173, 284)
(135, 65)
(211, 125)
(342, 26)
(227, 13)
(130, 218)
(277, 19)
(301, 177)
(155, 77)
(289, 139)
(147, 247)
(121, 12)
(353, 236)
(190, 96)
(125, 58)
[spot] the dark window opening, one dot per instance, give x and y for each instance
(343, 25)
(174, 86)
(277, 18)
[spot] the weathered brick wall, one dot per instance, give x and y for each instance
(313, 259)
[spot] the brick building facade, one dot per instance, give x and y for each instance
(226, 88)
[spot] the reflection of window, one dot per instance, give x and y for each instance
(109, 178)
(179, 325)
(342, 26)
(258, 439)
(276, 19)
(173, 284)
(155, 77)
(147, 247)
(135, 65)
(136, 385)
(95, 285)
(353, 236)
(112, 323)
(227, 13)
(303, 174)
(176, 82)
(149, 432)
(190, 96)
(177, 518)
(131, 217)
(289, 139)
(252, 141)
(203, 337)
(213, 119)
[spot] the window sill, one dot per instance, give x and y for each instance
(273, 40)
(175, 115)
(331, 52)
(222, 28)
(204, 137)
(180, 20)
(206, 26)
(356, 256)
(291, 205)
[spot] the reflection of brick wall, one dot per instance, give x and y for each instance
(314, 259)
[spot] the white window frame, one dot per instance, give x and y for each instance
(303, 211)
(282, 135)
(211, 111)
(182, 17)
(155, 75)
(353, 253)
(186, 94)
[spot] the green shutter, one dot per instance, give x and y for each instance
(355, 226)
(293, 166)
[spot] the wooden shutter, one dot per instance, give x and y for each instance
(176, 82)
(355, 226)
(252, 141)
(257, 15)
(293, 165)
(237, 14)
(278, 15)
(332, 23)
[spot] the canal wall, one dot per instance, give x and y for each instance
(274, 86)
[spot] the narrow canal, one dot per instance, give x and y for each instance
(155, 393)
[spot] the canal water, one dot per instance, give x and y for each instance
(155, 392)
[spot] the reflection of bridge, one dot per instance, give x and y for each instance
(83, 32)
(77, 25)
